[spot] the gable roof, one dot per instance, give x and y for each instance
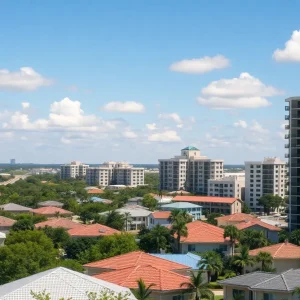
(279, 251)
(6, 222)
(237, 217)
(51, 210)
(51, 203)
(133, 259)
(60, 283)
(163, 280)
(14, 207)
(256, 222)
(59, 222)
(179, 205)
(201, 232)
(209, 199)
(93, 230)
(95, 191)
(161, 214)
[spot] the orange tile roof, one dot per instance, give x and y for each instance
(60, 222)
(6, 222)
(50, 210)
(238, 217)
(255, 222)
(93, 230)
(205, 199)
(201, 232)
(163, 280)
(95, 191)
(161, 214)
(279, 251)
(133, 259)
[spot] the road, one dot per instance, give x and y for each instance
(15, 179)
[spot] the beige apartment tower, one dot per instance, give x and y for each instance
(75, 169)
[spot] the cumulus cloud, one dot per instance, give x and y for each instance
(245, 91)
(25, 105)
(165, 136)
(151, 126)
(240, 123)
(200, 65)
(124, 107)
(256, 127)
(214, 142)
(291, 51)
(26, 79)
(129, 134)
(173, 116)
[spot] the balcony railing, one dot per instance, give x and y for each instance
(286, 155)
(286, 117)
(287, 146)
(287, 127)
(287, 108)
(287, 136)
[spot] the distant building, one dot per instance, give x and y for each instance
(190, 171)
(73, 170)
(6, 224)
(193, 209)
(13, 161)
(15, 208)
(264, 177)
(159, 218)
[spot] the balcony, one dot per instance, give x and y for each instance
(287, 127)
(287, 108)
(287, 146)
(286, 117)
(286, 155)
(287, 136)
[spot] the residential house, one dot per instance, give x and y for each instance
(60, 283)
(94, 230)
(285, 256)
(223, 205)
(159, 218)
(59, 223)
(2, 238)
(203, 237)
(95, 191)
(6, 224)
(262, 285)
(51, 212)
(15, 208)
(194, 210)
(135, 201)
(50, 203)
(234, 219)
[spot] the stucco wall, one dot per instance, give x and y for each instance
(204, 247)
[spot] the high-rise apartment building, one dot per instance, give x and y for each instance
(73, 170)
(293, 145)
(264, 177)
(190, 171)
(110, 173)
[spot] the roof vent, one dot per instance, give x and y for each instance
(102, 230)
(246, 220)
(286, 241)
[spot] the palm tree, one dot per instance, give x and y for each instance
(159, 234)
(143, 292)
(297, 291)
(211, 262)
(180, 230)
(233, 233)
(253, 239)
(174, 215)
(197, 286)
(265, 258)
(243, 259)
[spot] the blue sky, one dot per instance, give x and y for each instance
(139, 80)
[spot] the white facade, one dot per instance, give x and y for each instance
(115, 173)
(264, 177)
(73, 170)
(190, 171)
(231, 186)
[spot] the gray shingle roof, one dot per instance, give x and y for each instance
(14, 207)
(51, 203)
(60, 283)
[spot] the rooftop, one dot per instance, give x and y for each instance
(14, 207)
(179, 205)
(50, 203)
(190, 148)
(95, 191)
(6, 222)
(59, 222)
(50, 210)
(161, 214)
(255, 222)
(238, 217)
(210, 199)
(93, 230)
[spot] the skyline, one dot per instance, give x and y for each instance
(139, 81)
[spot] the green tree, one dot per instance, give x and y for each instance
(245, 208)
(253, 239)
(115, 220)
(295, 237)
(296, 291)
(23, 224)
(150, 202)
(59, 236)
(71, 264)
(179, 229)
(211, 262)
(243, 259)
(233, 234)
(266, 260)
(211, 218)
(283, 236)
(271, 202)
(143, 292)
(197, 286)
(76, 246)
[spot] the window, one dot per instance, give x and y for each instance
(223, 248)
(191, 247)
(178, 297)
(269, 296)
(239, 294)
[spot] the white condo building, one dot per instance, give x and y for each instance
(190, 171)
(115, 173)
(264, 177)
(73, 170)
(231, 186)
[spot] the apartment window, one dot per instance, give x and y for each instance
(251, 180)
(251, 199)
(191, 247)
(251, 171)
(251, 195)
(251, 166)
(251, 190)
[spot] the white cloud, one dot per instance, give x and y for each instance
(291, 52)
(124, 107)
(200, 65)
(25, 105)
(256, 127)
(129, 134)
(245, 91)
(240, 123)
(165, 136)
(214, 142)
(24, 138)
(65, 140)
(26, 79)
(173, 116)
(151, 126)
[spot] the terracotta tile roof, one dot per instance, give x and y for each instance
(6, 222)
(161, 214)
(50, 210)
(238, 217)
(255, 222)
(93, 230)
(95, 191)
(164, 280)
(205, 199)
(60, 222)
(201, 232)
(280, 251)
(133, 259)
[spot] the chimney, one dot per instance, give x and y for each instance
(286, 241)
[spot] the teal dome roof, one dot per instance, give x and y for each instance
(190, 148)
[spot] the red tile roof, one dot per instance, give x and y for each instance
(50, 210)
(6, 222)
(255, 222)
(279, 251)
(161, 214)
(60, 222)
(238, 217)
(163, 280)
(205, 199)
(93, 230)
(201, 232)
(95, 191)
(133, 259)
